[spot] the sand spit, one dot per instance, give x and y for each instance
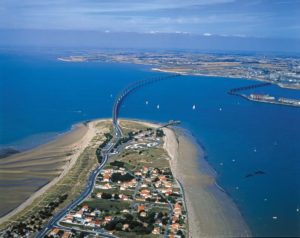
(27, 175)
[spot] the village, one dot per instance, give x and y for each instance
(135, 194)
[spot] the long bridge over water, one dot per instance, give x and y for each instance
(129, 89)
(235, 91)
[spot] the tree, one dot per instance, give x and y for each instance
(116, 196)
(119, 226)
(106, 196)
(160, 133)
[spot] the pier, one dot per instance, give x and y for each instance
(264, 98)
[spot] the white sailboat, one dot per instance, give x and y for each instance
(157, 106)
(194, 107)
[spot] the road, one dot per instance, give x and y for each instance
(54, 221)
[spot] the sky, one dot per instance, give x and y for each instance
(238, 18)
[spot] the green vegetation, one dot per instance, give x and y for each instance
(103, 204)
(108, 138)
(122, 178)
(160, 133)
(60, 194)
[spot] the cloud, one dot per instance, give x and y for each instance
(222, 17)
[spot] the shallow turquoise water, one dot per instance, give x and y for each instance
(40, 97)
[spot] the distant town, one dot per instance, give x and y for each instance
(280, 70)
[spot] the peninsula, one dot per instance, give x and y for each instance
(276, 69)
(150, 184)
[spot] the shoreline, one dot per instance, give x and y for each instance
(218, 216)
(26, 144)
(281, 85)
(63, 150)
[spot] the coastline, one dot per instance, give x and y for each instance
(43, 167)
(281, 85)
(217, 216)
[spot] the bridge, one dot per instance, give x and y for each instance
(126, 91)
(55, 220)
(235, 91)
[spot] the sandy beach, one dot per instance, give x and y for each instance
(211, 213)
(25, 176)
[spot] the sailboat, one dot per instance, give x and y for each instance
(157, 106)
(194, 107)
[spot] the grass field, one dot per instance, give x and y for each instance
(104, 204)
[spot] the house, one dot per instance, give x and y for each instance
(139, 199)
(68, 218)
(106, 177)
(123, 197)
(156, 230)
(145, 193)
(88, 219)
(174, 227)
(85, 208)
(123, 187)
(177, 209)
(78, 214)
(67, 234)
(141, 208)
(125, 211)
(54, 232)
(138, 173)
(169, 191)
(167, 184)
(98, 195)
(162, 178)
(174, 219)
(125, 227)
(105, 186)
(107, 219)
(158, 184)
(97, 223)
(143, 214)
(171, 235)
(145, 169)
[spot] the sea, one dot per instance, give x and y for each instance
(253, 147)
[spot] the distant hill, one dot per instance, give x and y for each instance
(97, 39)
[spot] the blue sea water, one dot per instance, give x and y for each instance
(41, 97)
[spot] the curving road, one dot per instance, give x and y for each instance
(54, 221)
